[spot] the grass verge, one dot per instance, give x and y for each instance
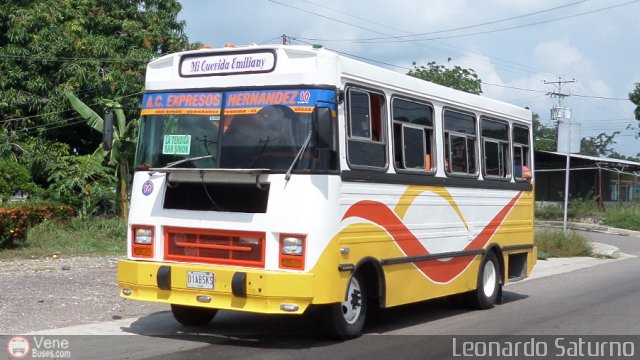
(555, 243)
(86, 236)
(623, 218)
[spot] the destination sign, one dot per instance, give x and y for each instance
(235, 102)
(224, 64)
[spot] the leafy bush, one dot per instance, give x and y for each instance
(624, 217)
(578, 209)
(549, 212)
(81, 182)
(14, 179)
(584, 207)
(15, 220)
(555, 243)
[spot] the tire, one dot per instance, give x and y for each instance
(193, 315)
(345, 320)
(489, 288)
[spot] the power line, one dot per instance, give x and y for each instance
(483, 83)
(505, 64)
(324, 7)
(514, 88)
(493, 22)
(271, 40)
(419, 37)
(509, 27)
(58, 112)
(327, 17)
(356, 56)
(46, 127)
(600, 97)
(33, 116)
(509, 67)
(67, 59)
(546, 92)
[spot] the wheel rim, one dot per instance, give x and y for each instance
(489, 276)
(352, 307)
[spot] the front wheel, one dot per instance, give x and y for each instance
(193, 315)
(345, 320)
(489, 285)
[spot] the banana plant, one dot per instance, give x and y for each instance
(118, 142)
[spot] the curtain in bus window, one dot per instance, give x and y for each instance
(412, 133)
(471, 155)
(359, 115)
(366, 146)
(520, 150)
(492, 158)
(495, 137)
(459, 159)
(414, 147)
(460, 135)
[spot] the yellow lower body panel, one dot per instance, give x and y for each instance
(266, 291)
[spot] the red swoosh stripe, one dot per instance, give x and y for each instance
(437, 270)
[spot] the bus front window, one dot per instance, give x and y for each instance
(251, 137)
(268, 139)
(165, 139)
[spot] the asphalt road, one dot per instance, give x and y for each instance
(626, 244)
(599, 300)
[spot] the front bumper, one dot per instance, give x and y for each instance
(241, 289)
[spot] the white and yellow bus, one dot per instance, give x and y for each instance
(270, 179)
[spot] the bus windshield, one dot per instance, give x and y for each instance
(262, 129)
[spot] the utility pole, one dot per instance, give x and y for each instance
(562, 115)
(559, 111)
(285, 40)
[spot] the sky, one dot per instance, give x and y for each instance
(517, 47)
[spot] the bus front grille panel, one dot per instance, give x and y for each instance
(215, 246)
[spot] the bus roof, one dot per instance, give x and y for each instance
(282, 65)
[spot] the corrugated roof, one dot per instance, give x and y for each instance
(594, 158)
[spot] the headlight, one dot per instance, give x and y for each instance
(292, 246)
(143, 236)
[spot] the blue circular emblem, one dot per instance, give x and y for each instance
(147, 188)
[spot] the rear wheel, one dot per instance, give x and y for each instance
(489, 285)
(345, 320)
(193, 315)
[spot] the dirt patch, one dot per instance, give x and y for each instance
(51, 293)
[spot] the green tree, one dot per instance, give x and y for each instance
(122, 146)
(81, 181)
(14, 179)
(634, 96)
(615, 155)
(32, 152)
(456, 77)
(97, 47)
(544, 138)
(598, 145)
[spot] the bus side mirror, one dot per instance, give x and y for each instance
(107, 133)
(323, 127)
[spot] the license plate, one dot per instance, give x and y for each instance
(199, 280)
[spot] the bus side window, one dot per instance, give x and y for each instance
(412, 135)
(366, 145)
(521, 154)
(495, 148)
(460, 143)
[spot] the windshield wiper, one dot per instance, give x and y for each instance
(172, 164)
(298, 156)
